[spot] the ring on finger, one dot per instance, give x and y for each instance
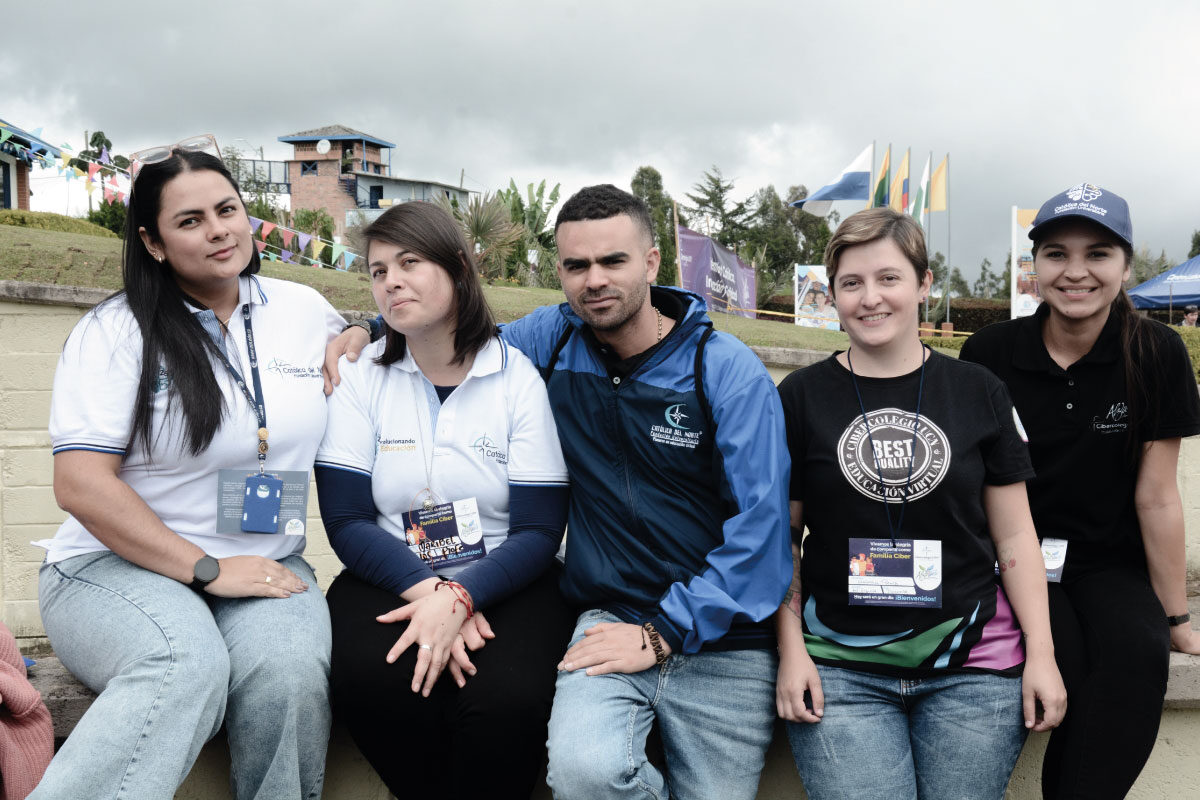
(267, 579)
(426, 647)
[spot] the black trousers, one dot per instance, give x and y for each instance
(487, 739)
(1112, 644)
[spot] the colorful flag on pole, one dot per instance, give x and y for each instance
(937, 186)
(880, 198)
(854, 183)
(920, 200)
(899, 191)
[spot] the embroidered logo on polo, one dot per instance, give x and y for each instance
(677, 430)
(896, 450)
(281, 367)
(486, 448)
(389, 445)
(1115, 420)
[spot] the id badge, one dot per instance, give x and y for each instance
(446, 534)
(1054, 553)
(907, 574)
(260, 504)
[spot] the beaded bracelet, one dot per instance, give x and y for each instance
(461, 596)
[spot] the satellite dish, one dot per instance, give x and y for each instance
(323, 146)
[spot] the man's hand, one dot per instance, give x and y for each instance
(350, 343)
(612, 647)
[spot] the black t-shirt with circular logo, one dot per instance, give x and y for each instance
(967, 437)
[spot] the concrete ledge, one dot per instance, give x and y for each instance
(349, 775)
(50, 294)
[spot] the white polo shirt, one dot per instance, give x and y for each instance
(92, 409)
(493, 430)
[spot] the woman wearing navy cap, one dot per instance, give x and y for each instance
(1105, 396)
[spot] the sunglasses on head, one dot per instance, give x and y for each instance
(204, 143)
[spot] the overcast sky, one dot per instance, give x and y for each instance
(1028, 99)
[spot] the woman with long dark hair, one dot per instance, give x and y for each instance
(186, 413)
(907, 669)
(1105, 395)
(442, 485)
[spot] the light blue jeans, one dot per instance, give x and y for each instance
(170, 666)
(952, 737)
(715, 711)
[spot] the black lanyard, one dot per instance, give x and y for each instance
(912, 458)
(260, 410)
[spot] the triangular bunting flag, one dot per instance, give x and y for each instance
(78, 172)
(4, 136)
(304, 240)
(104, 159)
(318, 248)
(267, 227)
(124, 198)
(336, 253)
(287, 235)
(287, 256)
(255, 222)
(350, 258)
(260, 245)
(36, 133)
(92, 170)
(108, 195)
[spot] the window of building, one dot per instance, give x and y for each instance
(308, 168)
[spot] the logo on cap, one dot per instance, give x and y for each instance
(1085, 192)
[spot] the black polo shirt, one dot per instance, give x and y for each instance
(1079, 426)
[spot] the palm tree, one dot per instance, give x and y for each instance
(488, 228)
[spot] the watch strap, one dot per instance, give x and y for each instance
(1182, 619)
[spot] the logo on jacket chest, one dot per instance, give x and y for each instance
(879, 465)
(677, 428)
(486, 448)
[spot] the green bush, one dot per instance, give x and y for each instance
(46, 221)
(974, 313)
(1191, 338)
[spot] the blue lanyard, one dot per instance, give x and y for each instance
(260, 409)
(896, 529)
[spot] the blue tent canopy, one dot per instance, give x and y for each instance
(1177, 287)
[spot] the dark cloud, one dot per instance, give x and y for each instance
(1028, 98)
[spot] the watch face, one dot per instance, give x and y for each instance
(207, 569)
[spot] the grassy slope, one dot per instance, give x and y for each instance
(69, 259)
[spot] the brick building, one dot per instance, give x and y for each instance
(15, 164)
(344, 171)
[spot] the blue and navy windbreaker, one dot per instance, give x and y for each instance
(676, 518)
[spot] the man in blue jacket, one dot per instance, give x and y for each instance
(678, 546)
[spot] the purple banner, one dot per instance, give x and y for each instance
(716, 274)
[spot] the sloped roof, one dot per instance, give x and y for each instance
(29, 140)
(334, 133)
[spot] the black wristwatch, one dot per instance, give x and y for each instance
(1182, 619)
(206, 570)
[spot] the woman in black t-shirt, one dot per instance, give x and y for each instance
(1106, 396)
(900, 656)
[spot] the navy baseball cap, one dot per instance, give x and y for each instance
(1087, 201)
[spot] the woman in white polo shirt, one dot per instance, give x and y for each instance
(442, 484)
(186, 413)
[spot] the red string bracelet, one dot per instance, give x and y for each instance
(461, 596)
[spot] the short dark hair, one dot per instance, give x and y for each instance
(604, 201)
(432, 233)
(872, 225)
